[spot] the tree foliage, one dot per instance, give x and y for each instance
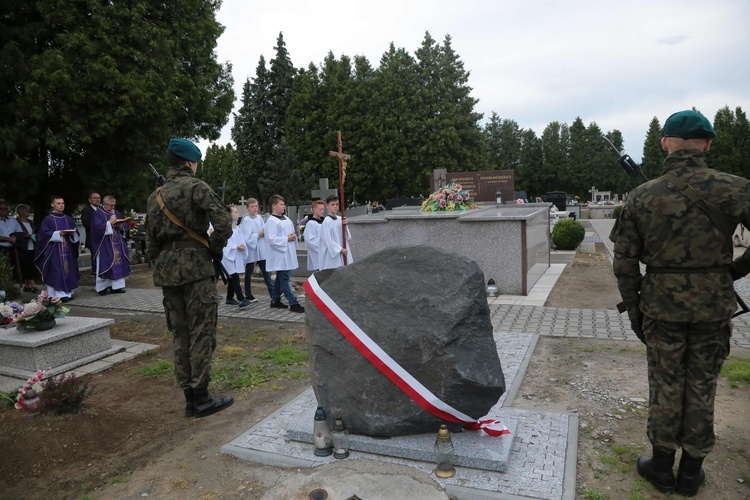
(220, 170)
(91, 92)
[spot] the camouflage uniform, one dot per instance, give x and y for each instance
(184, 270)
(686, 297)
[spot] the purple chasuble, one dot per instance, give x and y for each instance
(111, 249)
(56, 260)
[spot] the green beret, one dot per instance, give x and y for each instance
(688, 125)
(185, 149)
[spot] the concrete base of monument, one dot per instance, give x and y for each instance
(73, 342)
(470, 447)
(540, 454)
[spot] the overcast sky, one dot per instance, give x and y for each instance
(618, 64)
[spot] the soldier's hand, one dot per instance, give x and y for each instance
(637, 326)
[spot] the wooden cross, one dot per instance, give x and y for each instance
(342, 157)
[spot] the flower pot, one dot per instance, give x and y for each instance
(45, 325)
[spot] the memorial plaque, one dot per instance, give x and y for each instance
(484, 185)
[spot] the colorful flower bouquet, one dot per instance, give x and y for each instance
(9, 311)
(448, 199)
(41, 310)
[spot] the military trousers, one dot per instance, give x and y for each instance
(684, 361)
(192, 311)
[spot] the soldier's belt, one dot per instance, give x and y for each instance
(687, 270)
(174, 245)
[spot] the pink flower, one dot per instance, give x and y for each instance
(32, 307)
(17, 406)
(54, 300)
(43, 296)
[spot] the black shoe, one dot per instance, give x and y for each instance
(296, 308)
(251, 298)
(658, 470)
(279, 305)
(690, 476)
(119, 290)
(204, 404)
(104, 292)
(232, 302)
(66, 299)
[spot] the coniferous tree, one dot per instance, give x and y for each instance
(653, 154)
(448, 126)
(529, 175)
(251, 135)
(555, 146)
(503, 143)
(221, 171)
(729, 151)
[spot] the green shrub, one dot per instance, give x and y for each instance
(6, 279)
(568, 234)
(616, 211)
(64, 394)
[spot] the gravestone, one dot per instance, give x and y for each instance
(323, 191)
(438, 178)
(434, 322)
(75, 341)
(484, 185)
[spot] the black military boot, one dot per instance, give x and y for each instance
(188, 402)
(204, 404)
(658, 470)
(690, 476)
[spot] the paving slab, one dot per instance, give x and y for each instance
(542, 450)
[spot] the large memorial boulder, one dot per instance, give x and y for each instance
(427, 309)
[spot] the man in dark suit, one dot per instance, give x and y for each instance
(94, 202)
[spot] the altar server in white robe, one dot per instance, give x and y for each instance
(332, 250)
(282, 255)
(233, 260)
(253, 228)
(313, 234)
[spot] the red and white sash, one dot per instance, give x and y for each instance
(390, 368)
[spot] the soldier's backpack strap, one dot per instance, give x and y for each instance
(716, 216)
(177, 221)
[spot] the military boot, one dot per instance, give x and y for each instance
(188, 402)
(204, 404)
(690, 476)
(658, 470)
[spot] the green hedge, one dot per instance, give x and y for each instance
(616, 212)
(568, 234)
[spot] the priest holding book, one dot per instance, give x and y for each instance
(109, 249)
(55, 252)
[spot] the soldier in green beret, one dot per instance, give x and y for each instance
(183, 268)
(681, 225)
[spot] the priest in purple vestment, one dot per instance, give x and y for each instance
(56, 251)
(109, 250)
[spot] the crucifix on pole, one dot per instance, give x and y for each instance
(342, 177)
